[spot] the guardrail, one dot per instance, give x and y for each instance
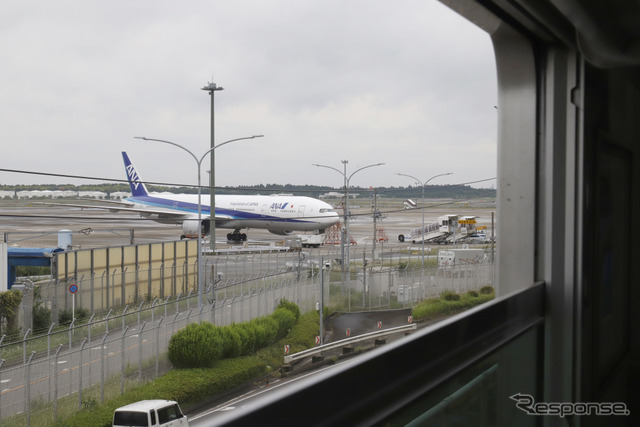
(348, 341)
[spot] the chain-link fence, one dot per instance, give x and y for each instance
(45, 376)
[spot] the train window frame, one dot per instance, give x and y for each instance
(538, 179)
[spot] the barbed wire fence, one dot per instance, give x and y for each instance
(48, 374)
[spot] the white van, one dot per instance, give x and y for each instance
(147, 413)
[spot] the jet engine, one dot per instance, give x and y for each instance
(190, 228)
(281, 232)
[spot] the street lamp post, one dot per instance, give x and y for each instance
(212, 88)
(212, 208)
(423, 186)
(346, 206)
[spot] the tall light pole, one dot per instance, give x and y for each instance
(346, 204)
(423, 186)
(211, 88)
(212, 202)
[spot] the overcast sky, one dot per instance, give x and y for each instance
(408, 83)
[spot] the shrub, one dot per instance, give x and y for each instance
(9, 302)
(249, 333)
(199, 345)
(473, 294)
(291, 306)
(231, 341)
(486, 290)
(82, 314)
(266, 331)
(41, 318)
(450, 296)
(285, 319)
(64, 317)
(246, 339)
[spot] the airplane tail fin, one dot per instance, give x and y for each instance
(137, 186)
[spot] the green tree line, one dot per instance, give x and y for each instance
(409, 192)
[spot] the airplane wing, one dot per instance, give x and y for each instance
(158, 214)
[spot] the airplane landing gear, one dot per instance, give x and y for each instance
(236, 236)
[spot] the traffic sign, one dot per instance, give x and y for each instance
(317, 339)
(286, 349)
(73, 288)
(348, 332)
(379, 325)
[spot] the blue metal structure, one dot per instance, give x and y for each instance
(39, 257)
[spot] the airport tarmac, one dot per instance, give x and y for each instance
(29, 224)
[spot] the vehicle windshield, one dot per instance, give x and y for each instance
(130, 418)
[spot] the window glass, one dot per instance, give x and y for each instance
(168, 413)
(131, 419)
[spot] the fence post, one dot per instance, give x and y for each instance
(48, 357)
(1, 363)
(213, 313)
(24, 347)
(103, 290)
(102, 367)
(139, 310)
(93, 279)
(158, 345)
(153, 305)
(27, 389)
(55, 386)
(70, 330)
(89, 326)
(1, 339)
(106, 319)
(124, 313)
(124, 332)
(173, 324)
(140, 351)
(189, 299)
(84, 341)
(178, 303)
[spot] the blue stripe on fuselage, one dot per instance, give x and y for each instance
(187, 207)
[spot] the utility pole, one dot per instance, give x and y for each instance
(375, 217)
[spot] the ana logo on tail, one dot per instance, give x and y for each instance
(133, 176)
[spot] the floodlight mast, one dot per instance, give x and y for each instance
(212, 88)
(346, 211)
(422, 204)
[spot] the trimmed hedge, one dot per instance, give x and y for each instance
(186, 386)
(438, 306)
(201, 345)
(450, 296)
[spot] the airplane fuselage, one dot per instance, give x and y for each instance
(272, 212)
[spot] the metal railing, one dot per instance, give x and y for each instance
(290, 358)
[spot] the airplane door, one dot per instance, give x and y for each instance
(301, 211)
(263, 210)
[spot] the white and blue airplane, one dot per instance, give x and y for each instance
(279, 214)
